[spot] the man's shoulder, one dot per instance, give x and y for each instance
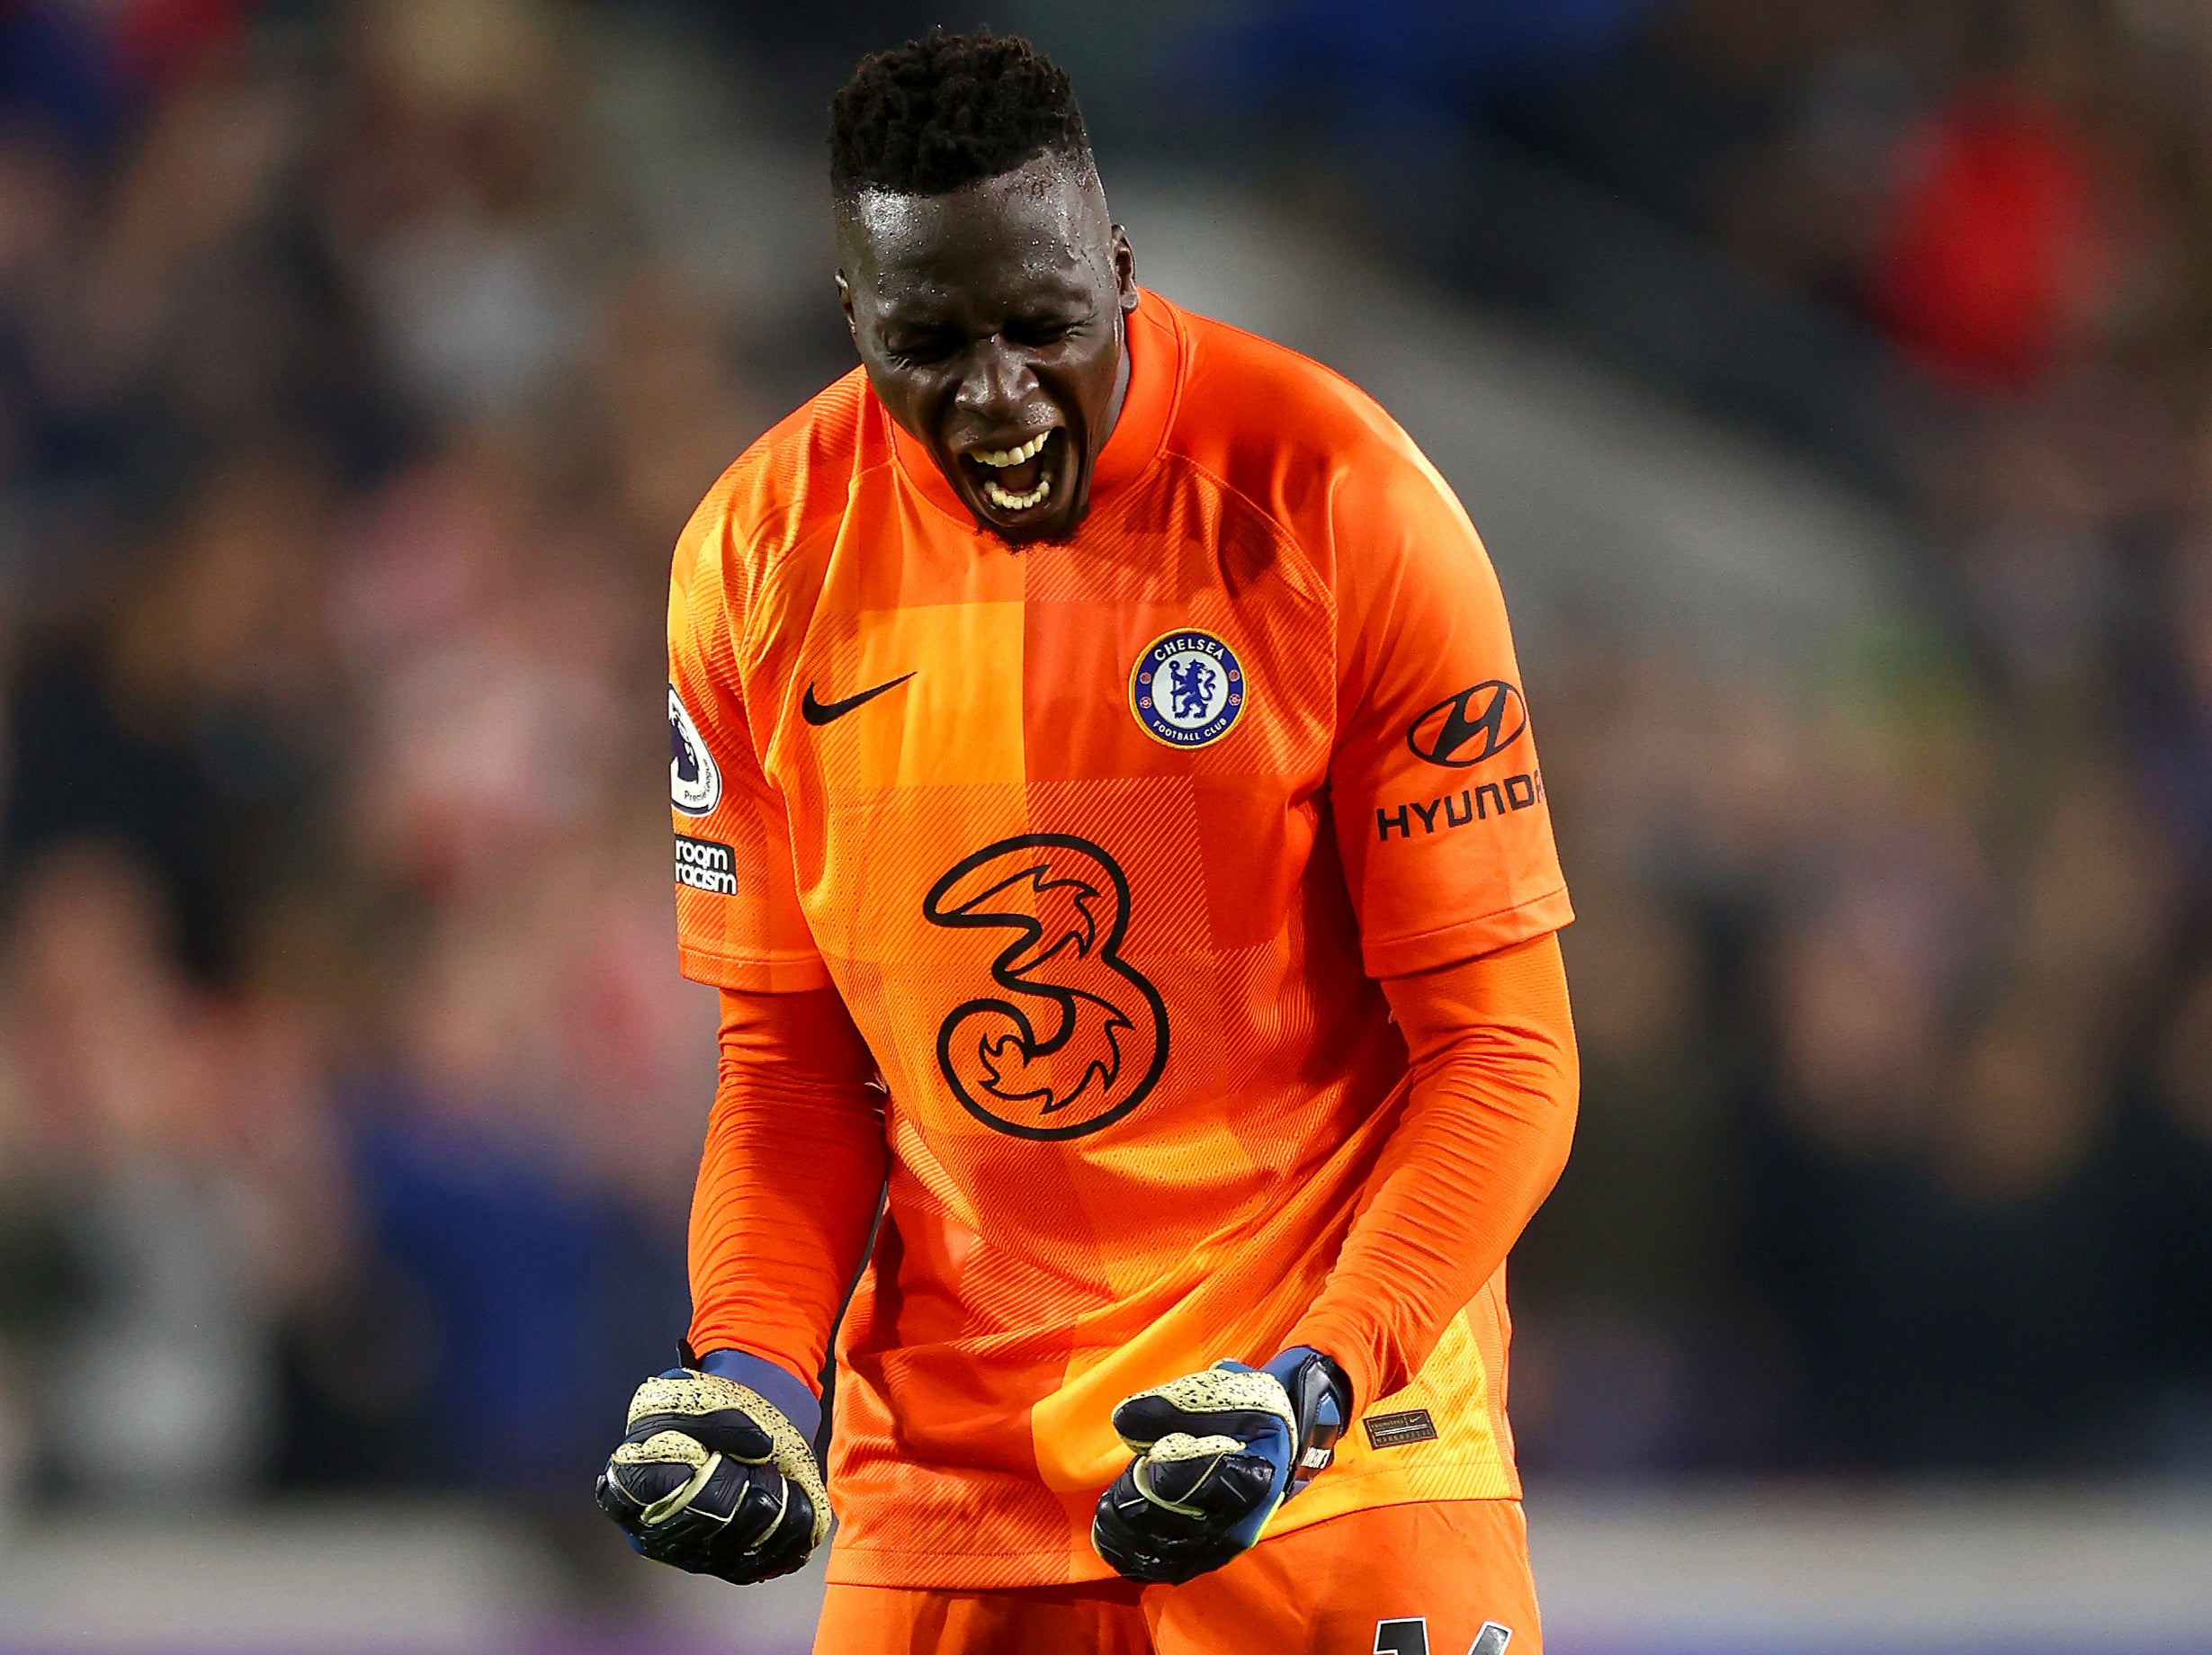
(795, 479)
(1240, 391)
(1280, 428)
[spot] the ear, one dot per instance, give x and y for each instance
(845, 303)
(1124, 268)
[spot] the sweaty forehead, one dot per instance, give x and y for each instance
(1041, 228)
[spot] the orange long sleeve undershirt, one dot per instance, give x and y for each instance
(795, 1158)
(1485, 1133)
(788, 1185)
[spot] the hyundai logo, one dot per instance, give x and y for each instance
(1463, 730)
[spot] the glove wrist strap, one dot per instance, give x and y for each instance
(1321, 1400)
(785, 1390)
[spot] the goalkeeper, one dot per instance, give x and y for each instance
(1106, 800)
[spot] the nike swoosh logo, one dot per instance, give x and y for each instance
(825, 711)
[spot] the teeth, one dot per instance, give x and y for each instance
(1007, 502)
(1004, 457)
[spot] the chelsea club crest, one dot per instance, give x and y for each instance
(1187, 688)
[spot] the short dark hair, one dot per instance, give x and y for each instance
(935, 115)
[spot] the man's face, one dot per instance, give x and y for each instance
(989, 321)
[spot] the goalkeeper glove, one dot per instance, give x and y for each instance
(1217, 1452)
(715, 1478)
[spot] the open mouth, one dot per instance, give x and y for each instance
(1018, 481)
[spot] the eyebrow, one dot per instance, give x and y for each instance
(920, 312)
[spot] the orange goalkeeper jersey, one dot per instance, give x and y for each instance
(1103, 842)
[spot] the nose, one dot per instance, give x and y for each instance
(997, 381)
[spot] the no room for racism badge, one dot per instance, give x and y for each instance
(1187, 688)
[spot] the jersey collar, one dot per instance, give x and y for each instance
(1156, 350)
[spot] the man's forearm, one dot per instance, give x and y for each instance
(1484, 1135)
(789, 1182)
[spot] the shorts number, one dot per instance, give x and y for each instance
(1411, 1637)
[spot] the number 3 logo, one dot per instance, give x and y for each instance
(1411, 1637)
(1075, 1036)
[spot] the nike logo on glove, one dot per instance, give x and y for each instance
(827, 712)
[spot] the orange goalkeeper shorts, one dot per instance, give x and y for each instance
(1449, 1578)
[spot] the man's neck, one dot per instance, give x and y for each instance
(1121, 378)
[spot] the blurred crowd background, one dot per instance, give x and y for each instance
(360, 361)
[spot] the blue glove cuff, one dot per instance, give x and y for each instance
(1319, 1396)
(792, 1396)
(1288, 1364)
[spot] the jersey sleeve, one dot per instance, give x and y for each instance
(788, 1182)
(1485, 1133)
(737, 919)
(1437, 796)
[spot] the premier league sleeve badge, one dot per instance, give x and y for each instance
(695, 783)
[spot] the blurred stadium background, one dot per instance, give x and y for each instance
(1830, 382)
